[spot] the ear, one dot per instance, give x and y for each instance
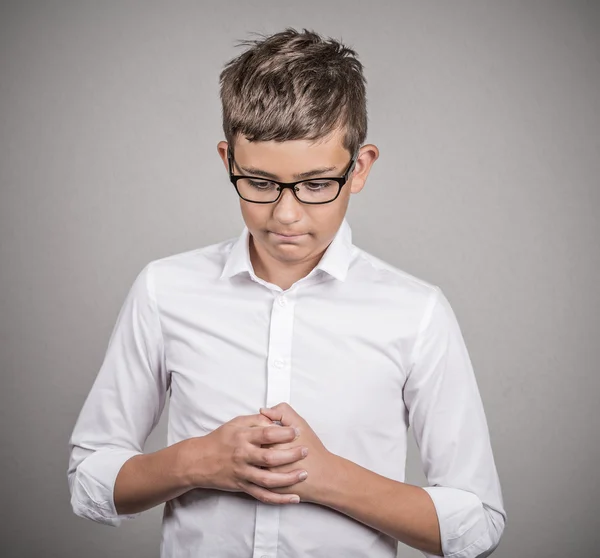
(222, 147)
(367, 155)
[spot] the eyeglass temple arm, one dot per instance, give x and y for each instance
(352, 165)
(230, 160)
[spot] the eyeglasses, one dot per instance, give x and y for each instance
(313, 191)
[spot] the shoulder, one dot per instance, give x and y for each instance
(189, 267)
(383, 275)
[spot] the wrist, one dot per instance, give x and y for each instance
(328, 480)
(192, 461)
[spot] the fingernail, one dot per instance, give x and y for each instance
(294, 500)
(304, 452)
(297, 431)
(303, 475)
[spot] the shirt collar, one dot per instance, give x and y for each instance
(335, 260)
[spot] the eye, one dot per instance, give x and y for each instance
(318, 184)
(260, 184)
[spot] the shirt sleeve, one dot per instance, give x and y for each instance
(122, 408)
(450, 428)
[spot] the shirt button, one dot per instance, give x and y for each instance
(282, 301)
(278, 363)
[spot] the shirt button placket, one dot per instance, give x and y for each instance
(278, 389)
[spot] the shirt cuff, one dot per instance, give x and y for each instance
(92, 487)
(464, 527)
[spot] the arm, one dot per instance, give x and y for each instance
(398, 509)
(401, 510)
(450, 428)
(122, 408)
(461, 513)
(225, 459)
(148, 480)
(111, 479)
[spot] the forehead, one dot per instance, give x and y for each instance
(322, 151)
(291, 160)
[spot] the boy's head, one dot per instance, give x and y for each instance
(294, 102)
(292, 86)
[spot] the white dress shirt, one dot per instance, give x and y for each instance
(359, 348)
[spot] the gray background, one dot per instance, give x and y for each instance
(487, 116)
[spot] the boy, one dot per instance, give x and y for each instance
(294, 361)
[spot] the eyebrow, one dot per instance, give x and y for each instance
(308, 174)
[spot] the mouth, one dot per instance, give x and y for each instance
(288, 236)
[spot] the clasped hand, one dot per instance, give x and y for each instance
(318, 463)
(275, 463)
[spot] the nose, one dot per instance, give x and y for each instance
(288, 198)
(287, 208)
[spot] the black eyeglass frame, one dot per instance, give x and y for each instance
(341, 180)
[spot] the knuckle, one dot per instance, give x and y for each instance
(237, 472)
(269, 458)
(266, 499)
(238, 454)
(268, 435)
(266, 481)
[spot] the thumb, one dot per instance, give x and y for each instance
(282, 413)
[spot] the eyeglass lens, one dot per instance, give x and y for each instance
(311, 191)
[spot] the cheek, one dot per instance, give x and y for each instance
(329, 224)
(252, 215)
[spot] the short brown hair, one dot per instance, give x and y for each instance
(294, 85)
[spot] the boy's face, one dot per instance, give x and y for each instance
(315, 225)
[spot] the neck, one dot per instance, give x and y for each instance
(272, 271)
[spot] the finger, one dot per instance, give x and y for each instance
(271, 413)
(272, 416)
(259, 420)
(253, 420)
(272, 435)
(282, 412)
(270, 479)
(276, 457)
(279, 445)
(267, 496)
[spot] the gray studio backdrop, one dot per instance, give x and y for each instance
(487, 116)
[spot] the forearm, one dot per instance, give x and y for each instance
(145, 481)
(401, 510)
